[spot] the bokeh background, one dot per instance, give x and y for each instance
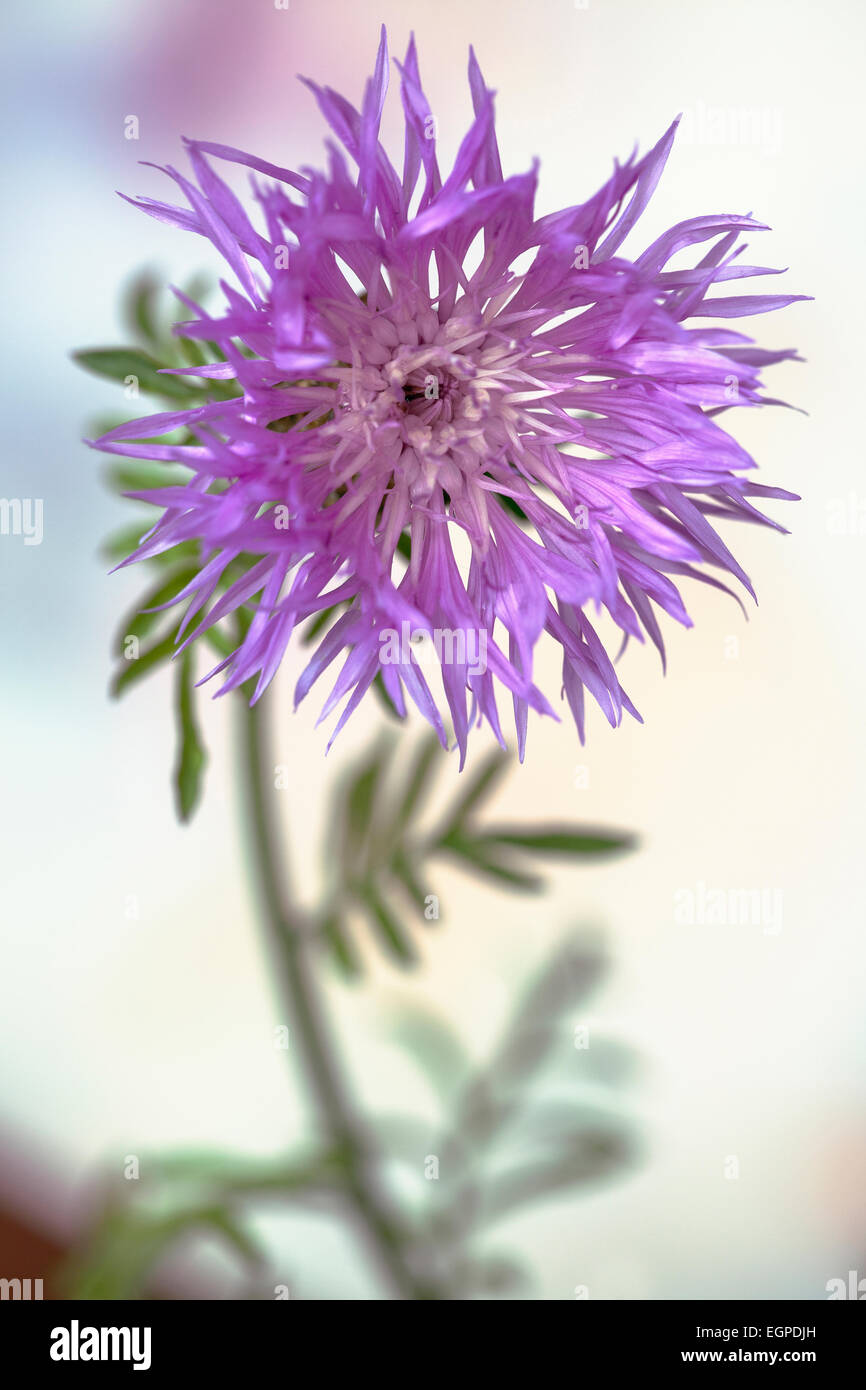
(136, 1030)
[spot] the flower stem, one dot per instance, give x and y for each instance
(381, 1224)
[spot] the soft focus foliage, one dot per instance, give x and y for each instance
(520, 1128)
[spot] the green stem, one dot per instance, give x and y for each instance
(381, 1224)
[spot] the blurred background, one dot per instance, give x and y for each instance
(137, 1012)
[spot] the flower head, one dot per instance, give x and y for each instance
(453, 418)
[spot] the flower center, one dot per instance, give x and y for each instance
(426, 383)
(431, 392)
(431, 400)
(431, 395)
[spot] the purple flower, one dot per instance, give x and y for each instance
(429, 439)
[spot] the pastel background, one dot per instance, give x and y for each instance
(126, 1035)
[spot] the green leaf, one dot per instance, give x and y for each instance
(495, 1274)
(139, 307)
(475, 855)
(227, 1176)
(357, 804)
(121, 544)
(117, 364)
(570, 975)
(140, 622)
(402, 1138)
(198, 287)
(213, 387)
(192, 754)
(337, 938)
(371, 858)
(135, 476)
(137, 668)
(118, 1257)
(418, 781)
(391, 933)
(222, 1221)
(589, 1157)
(434, 1045)
(378, 688)
(105, 423)
(512, 506)
(555, 1118)
(499, 1089)
(607, 1062)
(317, 625)
(403, 868)
(480, 787)
(560, 839)
(185, 1193)
(222, 645)
(193, 352)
